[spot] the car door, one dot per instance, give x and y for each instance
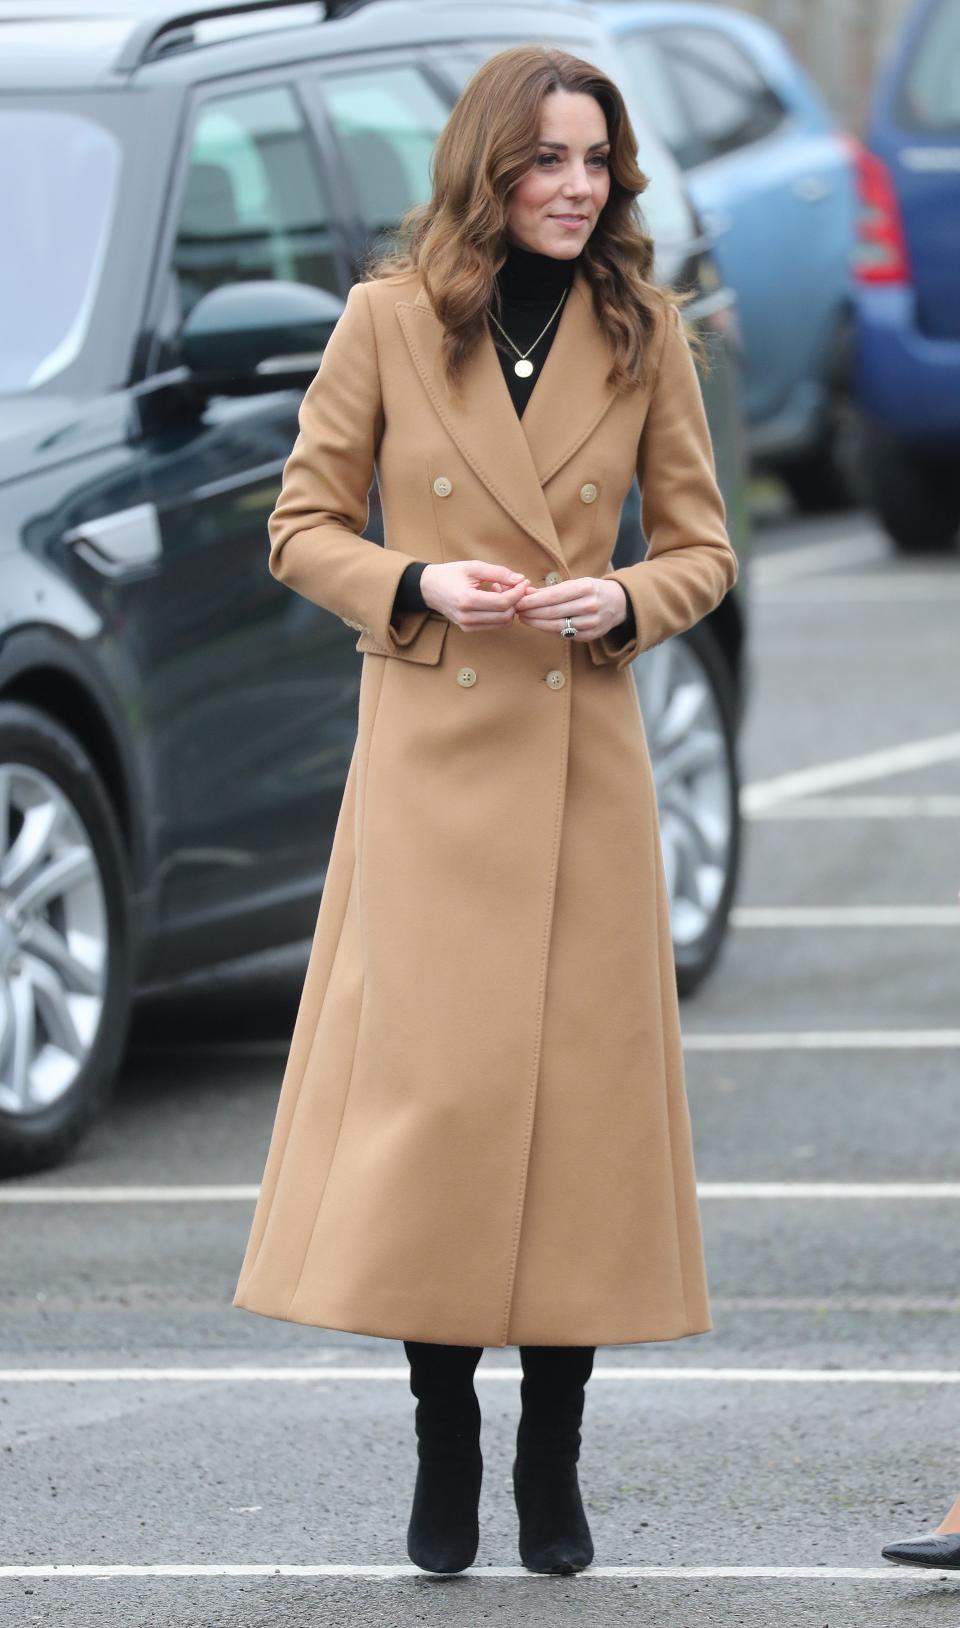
(764, 187)
(253, 687)
(384, 117)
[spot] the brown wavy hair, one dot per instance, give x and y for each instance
(457, 241)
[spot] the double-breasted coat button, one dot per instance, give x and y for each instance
(466, 677)
(442, 486)
(556, 679)
(588, 492)
(552, 577)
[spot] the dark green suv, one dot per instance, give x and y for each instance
(186, 200)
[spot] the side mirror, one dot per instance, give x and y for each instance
(258, 335)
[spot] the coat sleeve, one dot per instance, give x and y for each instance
(316, 546)
(689, 564)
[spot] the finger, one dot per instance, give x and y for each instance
(563, 594)
(479, 600)
(491, 572)
(554, 624)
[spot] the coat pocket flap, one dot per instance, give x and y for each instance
(425, 646)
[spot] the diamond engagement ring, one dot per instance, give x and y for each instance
(568, 631)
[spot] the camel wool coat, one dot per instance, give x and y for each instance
(482, 1135)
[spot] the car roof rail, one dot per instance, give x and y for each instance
(171, 28)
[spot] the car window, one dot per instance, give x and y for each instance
(931, 86)
(655, 85)
(387, 120)
(727, 101)
(59, 174)
(252, 204)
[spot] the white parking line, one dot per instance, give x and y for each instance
(844, 1574)
(856, 915)
(850, 771)
(247, 1192)
(390, 1373)
(828, 1189)
(826, 1040)
(931, 807)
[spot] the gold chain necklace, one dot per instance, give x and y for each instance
(523, 367)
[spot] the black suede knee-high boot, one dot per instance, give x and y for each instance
(444, 1534)
(554, 1533)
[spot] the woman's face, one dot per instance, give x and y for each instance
(555, 206)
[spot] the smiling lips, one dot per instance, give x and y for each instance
(569, 220)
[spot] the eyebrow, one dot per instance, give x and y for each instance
(562, 145)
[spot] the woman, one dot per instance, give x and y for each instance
(482, 1137)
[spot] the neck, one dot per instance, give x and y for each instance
(528, 275)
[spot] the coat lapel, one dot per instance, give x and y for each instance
(515, 457)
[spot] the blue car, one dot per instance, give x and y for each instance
(774, 182)
(908, 276)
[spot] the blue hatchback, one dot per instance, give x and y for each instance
(774, 181)
(908, 275)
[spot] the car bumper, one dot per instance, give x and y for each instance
(908, 381)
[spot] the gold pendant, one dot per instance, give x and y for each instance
(523, 367)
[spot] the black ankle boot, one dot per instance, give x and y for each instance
(444, 1532)
(554, 1533)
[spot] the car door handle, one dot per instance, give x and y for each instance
(114, 543)
(811, 188)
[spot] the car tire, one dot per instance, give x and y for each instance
(915, 495)
(688, 703)
(65, 941)
(828, 476)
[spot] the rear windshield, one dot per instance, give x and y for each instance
(58, 182)
(930, 93)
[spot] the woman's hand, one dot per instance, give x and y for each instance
(456, 590)
(594, 604)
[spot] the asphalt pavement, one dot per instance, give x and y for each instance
(168, 1459)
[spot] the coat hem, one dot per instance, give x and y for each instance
(433, 1331)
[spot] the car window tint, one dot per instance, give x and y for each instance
(252, 205)
(727, 100)
(654, 83)
(387, 121)
(931, 87)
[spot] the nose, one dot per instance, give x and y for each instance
(577, 185)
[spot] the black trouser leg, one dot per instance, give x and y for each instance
(554, 1533)
(444, 1534)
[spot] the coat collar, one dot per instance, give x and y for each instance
(515, 457)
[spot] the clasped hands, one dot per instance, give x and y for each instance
(477, 594)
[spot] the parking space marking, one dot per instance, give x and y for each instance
(931, 807)
(824, 1040)
(876, 1303)
(848, 1574)
(828, 1189)
(850, 771)
(288, 1374)
(247, 1192)
(853, 915)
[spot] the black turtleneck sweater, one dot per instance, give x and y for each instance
(530, 285)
